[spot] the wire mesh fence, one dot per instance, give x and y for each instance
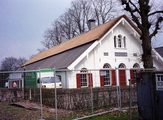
(97, 91)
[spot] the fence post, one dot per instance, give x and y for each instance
(130, 96)
(30, 94)
(119, 90)
(91, 92)
(40, 92)
(117, 86)
(55, 94)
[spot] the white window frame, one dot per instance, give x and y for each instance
(121, 66)
(107, 77)
(84, 77)
(135, 66)
(120, 41)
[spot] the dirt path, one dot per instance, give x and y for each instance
(35, 106)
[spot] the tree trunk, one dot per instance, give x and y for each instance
(146, 40)
(147, 52)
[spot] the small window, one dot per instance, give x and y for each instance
(106, 54)
(135, 54)
(115, 42)
(124, 41)
(119, 41)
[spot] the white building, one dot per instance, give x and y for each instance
(115, 44)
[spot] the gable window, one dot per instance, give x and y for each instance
(84, 78)
(115, 42)
(119, 41)
(124, 41)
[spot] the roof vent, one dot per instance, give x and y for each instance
(91, 24)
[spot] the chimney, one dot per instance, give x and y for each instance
(63, 39)
(91, 24)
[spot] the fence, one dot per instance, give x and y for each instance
(99, 91)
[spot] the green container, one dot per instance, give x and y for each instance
(31, 79)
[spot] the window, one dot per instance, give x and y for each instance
(122, 74)
(133, 72)
(115, 42)
(124, 41)
(121, 66)
(107, 75)
(84, 79)
(119, 42)
(59, 77)
(135, 66)
(106, 53)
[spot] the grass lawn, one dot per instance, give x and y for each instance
(108, 116)
(8, 112)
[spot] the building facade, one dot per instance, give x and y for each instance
(104, 56)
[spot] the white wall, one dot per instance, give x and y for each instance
(63, 78)
(96, 59)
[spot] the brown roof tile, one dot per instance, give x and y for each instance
(92, 35)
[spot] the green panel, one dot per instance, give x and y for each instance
(47, 70)
(31, 79)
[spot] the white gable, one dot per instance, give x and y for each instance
(106, 45)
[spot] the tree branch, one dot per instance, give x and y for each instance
(136, 9)
(155, 12)
(160, 19)
(134, 18)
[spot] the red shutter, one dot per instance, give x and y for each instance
(141, 69)
(113, 77)
(132, 76)
(90, 80)
(101, 79)
(122, 77)
(78, 81)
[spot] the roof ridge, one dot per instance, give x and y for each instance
(92, 35)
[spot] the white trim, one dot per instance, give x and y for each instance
(84, 54)
(157, 55)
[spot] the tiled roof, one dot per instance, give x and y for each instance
(160, 50)
(59, 61)
(92, 35)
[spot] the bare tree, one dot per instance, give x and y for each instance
(148, 18)
(67, 25)
(75, 21)
(105, 10)
(12, 63)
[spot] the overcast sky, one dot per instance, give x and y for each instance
(23, 22)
